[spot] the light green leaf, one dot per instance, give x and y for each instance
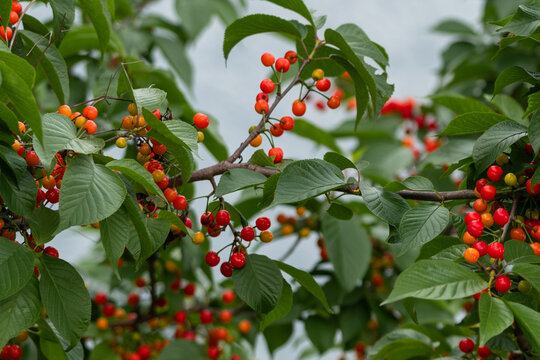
(494, 317)
(453, 26)
(525, 21)
(472, 123)
(236, 179)
(282, 308)
(494, 141)
(150, 98)
(349, 249)
(534, 104)
(258, 283)
(529, 322)
(305, 179)
(386, 205)
(101, 20)
(184, 131)
(65, 298)
(339, 160)
(189, 349)
(89, 193)
(436, 280)
(19, 66)
(361, 45)
(309, 131)
(5, 10)
(515, 74)
(461, 105)
(16, 267)
(509, 106)
(114, 232)
(260, 158)
(391, 337)
(135, 172)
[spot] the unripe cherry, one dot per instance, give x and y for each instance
(471, 255)
(333, 102)
(90, 112)
(261, 106)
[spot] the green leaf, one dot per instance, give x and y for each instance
(16, 90)
(189, 349)
(321, 332)
(51, 62)
(176, 146)
(158, 229)
(453, 26)
(150, 98)
(101, 20)
(63, 14)
(297, 6)
(406, 349)
(352, 320)
(89, 193)
(65, 298)
(12, 162)
(175, 220)
(19, 311)
(390, 338)
(339, 160)
(518, 252)
(495, 317)
(277, 335)
(305, 179)
(525, 21)
(529, 272)
(309, 131)
(422, 224)
(16, 267)
(418, 183)
(103, 351)
(255, 24)
(184, 131)
(258, 283)
(339, 211)
(534, 131)
(19, 66)
(534, 104)
(61, 134)
(529, 322)
(113, 233)
(472, 123)
(5, 10)
(175, 53)
(349, 249)
(260, 158)
(494, 141)
(461, 105)
(44, 222)
(512, 75)
(135, 172)
(386, 205)
(361, 45)
(236, 179)
(306, 280)
(9, 118)
(282, 308)
(438, 245)
(136, 217)
(84, 38)
(436, 280)
(20, 197)
(509, 106)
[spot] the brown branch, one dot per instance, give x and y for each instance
(52, 41)
(19, 23)
(437, 196)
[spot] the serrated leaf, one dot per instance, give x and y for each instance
(422, 224)
(472, 123)
(297, 6)
(113, 233)
(494, 141)
(309, 131)
(529, 272)
(436, 280)
(99, 14)
(20, 196)
(529, 322)
(135, 172)
(18, 65)
(184, 131)
(437, 245)
(189, 349)
(258, 283)
(16, 267)
(175, 220)
(533, 104)
(509, 106)
(260, 158)
(44, 222)
(150, 98)
(386, 205)
(418, 183)
(237, 179)
(63, 14)
(461, 105)
(65, 298)
(19, 311)
(349, 249)
(255, 24)
(305, 179)
(339, 160)
(525, 21)
(494, 317)
(361, 45)
(282, 308)
(61, 134)
(89, 193)
(512, 75)
(518, 252)
(306, 280)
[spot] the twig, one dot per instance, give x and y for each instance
(50, 42)
(19, 23)
(153, 281)
(512, 214)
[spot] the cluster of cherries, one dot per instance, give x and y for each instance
(11, 352)
(16, 9)
(467, 346)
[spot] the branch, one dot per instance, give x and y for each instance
(19, 23)
(512, 214)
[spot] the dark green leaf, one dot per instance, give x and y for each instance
(339, 211)
(512, 75)
(175, 53)
(282, 308)
(525, 21)
(135, 172)
(339, 160)
(16, 267)
(20, 197)
(461, 105)
(352, 320)
(12, 162)
(297, 6)
(472, 123)
(518, 252)
(188, 349)
(5, 10)
(418, 183)
(175, 220)
(390, 338)
(361, 45)
(9, 118)
(529, 272)
(277, 335)
(534, 131)
(44, 222)
(101, 20)
(63, 14)
(307, 130)
(18, 65)
(529, 321)
(494, 317)
(236, 179)
(321, 332)
(386, 205)
(113, 232)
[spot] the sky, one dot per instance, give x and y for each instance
(227, 91)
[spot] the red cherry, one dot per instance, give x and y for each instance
(291, 56)
(267, 59)
(16, 6)
(298, 107)
(472, 216)
(276, 129)
(267, 86)
(157, 113)
(213, 352)
(100, 298)
(163, 183)
(262, 96)
(201, 121)
(144, 352)
(226, 269)
(15, 352)
(503, 284)
(207, 218)
(488, 192)
(228, 296)
(223, 218)
(212, 259)
(500, 216)
(140, 282)
(189, 290)
(481, 247)
(261, 106)
(475, 228)
(529, 148)
(180, 202)
(133, 299)
(90, 112)
(494, 172)
(108, 310)
(333, 102)
(238, 260)
(484, 351)
(6, 33)
(180, 317)
(263, 223)
(496, 250)
(323, 84)
(287, 123)
(31, 158)
(188, 223)
(466, 345)
(478, 294)
(534, 190)
(282, 65)
(53, 195)
(206, 317)
(247, 233)
(277, 153)
(49, 250)
(481, 183)
(134, 356)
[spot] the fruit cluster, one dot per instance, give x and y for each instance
(11, 352)
(16, 9)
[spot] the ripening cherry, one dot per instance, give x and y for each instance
(238, 260)
(226, 269)
(6, 33)
(299, 107)
(481, 183)
(206, 317)
(262, 96)
(478, 294)
(90, 112)
(244, 326)
(263, 223)
(466, 345)
(482, 247)
(134, 356)
(510, 179)
(261, 106)
(533, 190)
(53, 195)
(291, 56)
(468, 239)
(267, 59)
(494, 172)
(500, 216)
(487, 219)
(16, 6)
(247, 233)
(157, 113)
(488, 192)
(277, 153)
(503, 284)
(287, 123)
(228, 296)
(323, 84)
(223, 218)
(207, 218)
(471, 255)
(90, 127)
(472, 216)
(212, 259)
(496, 250)
(484, 351)
(536, 232)
(31, 158)
(133, 299)
(170, 194)
(267, 86)
(213, 352)
(518, 234)
(163, 183)
(267, 236)
(333, 102)
(480, 205)
(201, 121)
(180, 202)
(13, 18)
(225, 316)
(282, 65)
(276, 129)
(475, 228)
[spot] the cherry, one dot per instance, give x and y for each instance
(6, 33)
(180, 317)
(157, 113)
(108, 310)
(494, 172)
(201, 121)
(207, 218)
(90, 127)
(496, 250)
(188, 223)
(276, 129)
(287, 123)
(262, 96)
(163, 183)
(212, 259)
(228, 296)
(31, 158)
(333, 102)
(49, 250)
(53, 195)
(267, 59)
(529, 148)
(213, 352)
(481, 183)
(534, 190)
(482, 247)
(518, 234)
(133, 299)
(261, 106)
(277, 153)
(291, 56)
(90, 112)
(478, 294)
(282, 65)
(226, 269)
(503, 284)
(500, 216)
(134, 356)
(267, 86)
(484, 351)
(100, 298)
(488, 192)
(469, 239)
(170, 194)
(206, 317)
(238, 260)
(323, 84)
(471, 255)
(140, 282)
(466, 345)
(247, 233)
(510, 179)
(480, 205)
(16, 6)
(223, 218)
(189, 290)
(299, 107)
(161, 302)
(472, 216)
(144, 352)
(263, 223)
(180, 202)
(15, 352)
(317, 74)
(225, 316)
(244, 326)
(475, 228)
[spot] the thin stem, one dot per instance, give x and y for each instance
(19, 23)
(512, 214)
